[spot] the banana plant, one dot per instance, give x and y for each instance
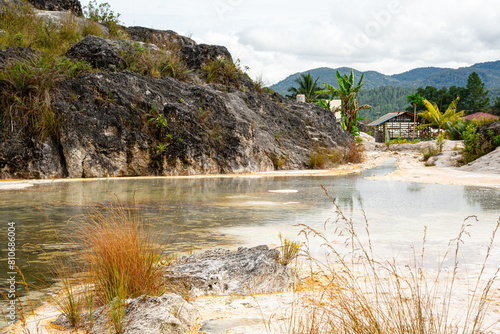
(349, 105)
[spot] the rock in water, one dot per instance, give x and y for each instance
(222, 272)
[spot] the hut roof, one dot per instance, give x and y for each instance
(388, 116)
(480, 115)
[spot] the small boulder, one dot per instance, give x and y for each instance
(159, 37)
(97, 51)
(197, 55)
(222, 272)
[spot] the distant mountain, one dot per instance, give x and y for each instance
(489, 73)
(413, 76)
(372, 79)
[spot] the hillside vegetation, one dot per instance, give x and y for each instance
(420, 77)
(387, 93)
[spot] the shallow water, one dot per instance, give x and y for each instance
(231, 212)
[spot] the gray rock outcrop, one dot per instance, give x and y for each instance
(159, 37)
(167, 314)
(124, 124)
(222, 272)
(16, 54)
(195, 55)
(47, 5)
(59, 5)
(97, 51)
(489, 163)
(490, 130)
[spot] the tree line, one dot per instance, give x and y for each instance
(473, 97)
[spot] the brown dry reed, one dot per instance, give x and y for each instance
(355, 293)
(167, 61)
(123, 252)
(322, 157)
(222, 71)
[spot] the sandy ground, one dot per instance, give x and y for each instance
(485, 172)
(411, 168)
(268, 313)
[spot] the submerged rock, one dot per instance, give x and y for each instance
(222, 272)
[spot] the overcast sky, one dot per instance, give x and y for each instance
(276, 38)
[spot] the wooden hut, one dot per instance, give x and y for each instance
(393, 125)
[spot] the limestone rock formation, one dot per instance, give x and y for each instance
(193, 54)
(222, 272)
(115, 123)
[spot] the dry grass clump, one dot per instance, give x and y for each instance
(322, 157)
(222, 71)
(354, 154)
(120, 256)
(123, 252)
(23, 28)
(156, 63)
(355, 293)
(26, 92)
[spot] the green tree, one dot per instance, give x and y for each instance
(495, 108)
(306, 86)
(414, 99)
(476, 99)
(437, 119)
(349, 105)
(442, 97)
(100, 13)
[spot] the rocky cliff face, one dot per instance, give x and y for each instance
(123, 124)
(53, 5)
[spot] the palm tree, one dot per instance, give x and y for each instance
(436, 118)
(307, 86)
(349, 105)
(414, 99)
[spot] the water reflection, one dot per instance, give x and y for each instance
(229, 212)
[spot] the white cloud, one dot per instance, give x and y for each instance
(280, 38)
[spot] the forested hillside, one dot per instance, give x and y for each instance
(383, 100)
(420, 77)
(388, 93)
